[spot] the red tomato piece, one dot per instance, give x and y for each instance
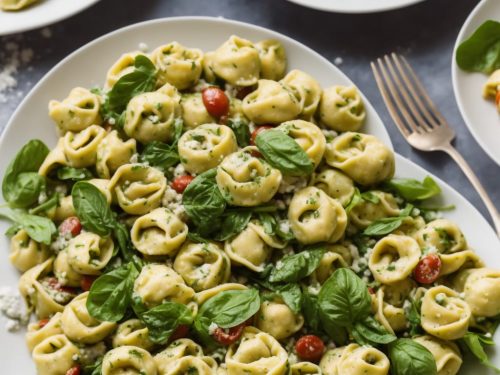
(75, 370)
(54, 283)
(71, 225)
(427, 269)
(497, 98)
(228, 336)
(244, 91)
(179, 333)
(310, 348)
(215, 100)
(42, 323)
(86, 282)
(256, 132)
(180, 183)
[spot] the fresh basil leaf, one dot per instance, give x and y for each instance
(46, 206)
(162, 320)
(413, 190)
(370, 332)
(481, 51)
(355, 200)
(474, 343)
(203, 201)
(383, 226)
(22, 184)
(195, 237)
(408, 357)
(160, 155)
(241, 131)
(13, 229)
(291, 295)
(234, 223)
(284, 153)
(229, 308)
(110, 294)
(39, 228)
(94, 369)
(270, 223)
(142, 79)
(369, 196)
(73, 174)
(295, 267)
(337, 333)
(92, 208)
(344, 298)
(310, 310)
(413, 317)
(122, 235)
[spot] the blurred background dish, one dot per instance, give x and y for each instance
(355, 6)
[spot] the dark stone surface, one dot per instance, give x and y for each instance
(425, 33)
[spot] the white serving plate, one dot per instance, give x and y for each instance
(480, 115)
(87, 67)
(40, 14)
(355, 6)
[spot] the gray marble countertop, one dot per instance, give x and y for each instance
(425, 33)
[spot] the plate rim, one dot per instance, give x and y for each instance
(47, 22)
(375, 9)
(454, 78)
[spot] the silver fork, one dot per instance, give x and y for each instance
(418, 119)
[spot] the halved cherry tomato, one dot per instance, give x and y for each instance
(230, 335)
(497, 98)
(74, 371)
(180, 183)
(310, 348)
(71, 225)
(179, 333)
(427, 269)
(215, 101)
(54, 283)
(43, 322)
(256, 132)
(371, 290)
(86, 282)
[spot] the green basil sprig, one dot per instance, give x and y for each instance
(284, 153)
(22, 184)
(46, 206)
(481, 51)
(110, 294)
(40, 229)
(142, 79)
(295, 267)
(475, 344)
(387, 225)
(234, 222)
(370, 332)
(413, 190)
(162, 320)
(408, 357)
(73, 174)
(241, 131)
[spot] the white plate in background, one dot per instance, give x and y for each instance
(355, 6)
(42, 13)
(480, 115)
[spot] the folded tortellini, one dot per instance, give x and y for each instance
(37, 333)
(77, 112)
(362, 157)
(178, 65)
(272, 59)
(445, 353)
(444, 314)
(277, 319)
(252, 247)
(132, 332)
(458, 261)
(308, 136)
(25, 252)
(335, 257)
(492, 84)
(271, 103)
(184, 356)
(237, 62)
(334, 183)
(124, 65)
(393, 258)
(205, 147)
(128, 360)
(56, 158)
(157, 283)
(481, 290)
(305, 368)
(246, 180)
(306, 89)
(354, 360)
(257, 353)
(160, 232)
(80, 149)
(442, 235)
(88, 253)
(64, 272)
(138, 188)
(151, 116)
(194, 112)
(315, 217)
(54, 355)
(112, 153)
(79, 326)
(203, 265)
(342, 108)
(366, 212)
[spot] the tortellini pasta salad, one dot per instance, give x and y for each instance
(214, 213)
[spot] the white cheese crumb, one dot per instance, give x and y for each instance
(179, 170)
(338, 60)
(134, 158)
(12, 325)
(329, 134)
(212, 327)
(143, 47)
(173, 201)
(291, 184)
(13, 308)
(111, 121)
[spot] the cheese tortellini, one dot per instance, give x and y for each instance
(306, 89)
(132, 332)
(124, 65)
(246, 180)
(381, 205)
(128, 360)
(112, 153)
(272, 59)
(159, 232)
(54, 355)
(315, 217)
(277, 319)
(334, 183)
(194, 112)
(442, 235)
(354, 360)
(26, 253)
(184, 356)
(492, 84)
(205, 147)
(342, 108)
(445, 353)
(335, 257)
(362, 157)
(80, 149)
(88, 253)
(77, 112)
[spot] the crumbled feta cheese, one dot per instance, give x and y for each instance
(13, 308)
(134, 158)
(173, 201)
(285, 226)
(291, 184)
(143, 47)
(111, 121)
(61, 189)
(42, 197)
(212, 327)
(12, 325)
(179, 170)
(440, 298)
(329, 134)
(61, 242)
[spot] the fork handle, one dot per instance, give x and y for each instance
(450, 150)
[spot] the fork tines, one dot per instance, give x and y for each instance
(407, 101)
